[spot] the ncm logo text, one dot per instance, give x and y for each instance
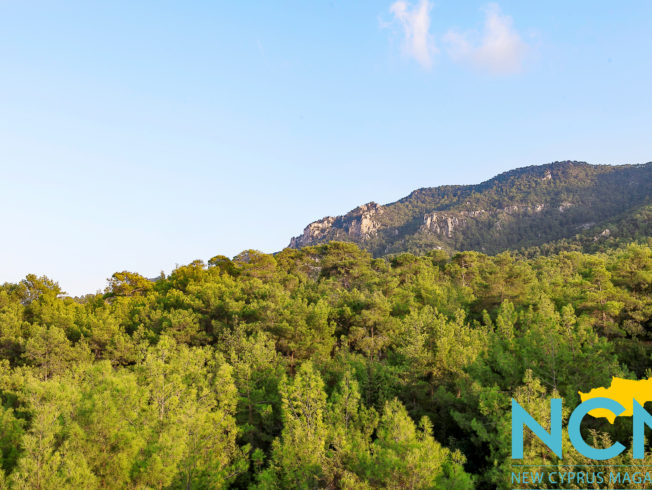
(553, 439)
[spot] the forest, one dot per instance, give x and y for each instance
(321, 367)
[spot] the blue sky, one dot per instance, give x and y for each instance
(140, 135)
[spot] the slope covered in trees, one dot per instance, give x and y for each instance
(573, 204)
(314, 368)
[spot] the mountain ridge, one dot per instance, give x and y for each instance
(523, 207)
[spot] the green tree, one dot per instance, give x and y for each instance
(299, 455)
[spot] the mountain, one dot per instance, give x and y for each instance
(559, 205)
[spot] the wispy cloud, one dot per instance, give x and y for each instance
(498, 50)
(418, 43)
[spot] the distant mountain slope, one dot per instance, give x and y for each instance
(525, 207)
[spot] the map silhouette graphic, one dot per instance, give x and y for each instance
(624, 391)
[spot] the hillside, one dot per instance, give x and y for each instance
(562, 204)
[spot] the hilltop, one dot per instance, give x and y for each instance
(556, 206)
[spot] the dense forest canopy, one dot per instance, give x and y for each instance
(319, 367)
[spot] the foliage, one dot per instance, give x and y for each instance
(314, 368)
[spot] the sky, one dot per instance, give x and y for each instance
(141, 135)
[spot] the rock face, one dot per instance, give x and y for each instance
(517, 209)
(313, 232)
(441, 224)
(564, 206)
(605, 234)
(360, 223)
(445, 224)
(364, 222)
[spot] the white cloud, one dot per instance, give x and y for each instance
(500, 49)
(418, 43)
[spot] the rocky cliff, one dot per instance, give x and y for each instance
(358, 224)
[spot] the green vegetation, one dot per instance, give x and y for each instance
(313, 368)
